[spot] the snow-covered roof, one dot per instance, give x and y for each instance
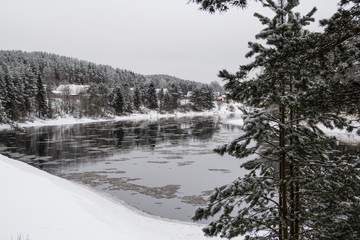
(159, 89)
(189, 93)
(73, 89)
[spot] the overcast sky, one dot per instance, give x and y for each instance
(146, 36)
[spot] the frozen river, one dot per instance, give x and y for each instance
(165, 167)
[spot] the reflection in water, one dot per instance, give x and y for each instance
(46, 145)
(166, 167)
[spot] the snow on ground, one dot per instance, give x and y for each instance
(41, 206)
(236, 122)
(341, 134)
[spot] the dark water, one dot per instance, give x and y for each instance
(167, 168)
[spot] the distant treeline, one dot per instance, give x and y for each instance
(28, 79)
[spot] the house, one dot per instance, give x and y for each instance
(70, 90)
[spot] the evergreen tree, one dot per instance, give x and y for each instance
(168, 107)
(98, 100)
(341, 42)
(216, 87)
(42, 107)
(3, 116)
(11, 103)
(151, 98)
(128, 98)
(208, 98)
(30, 89)
(50, 111)
(3, 92)
(175, 96)
(137, 98)
(203, 98)
(196, 98)
(118, 101)
(67, 104)
(4, 119)
(161, 100)
(19, 90)
(293, 189)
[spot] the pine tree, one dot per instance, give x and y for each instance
(342, 40)
(30, 80)
(203, 98)
(128, 98)
(98, 100)
(151, 98)
(3, 92)
(19, 90)
(161, 100)
(196, 98)
(175, 96)
(208, 98)
(293, 189)
(168, 107)
(67, 104)
(3, 116)
(50, 110)
(118, 101)
(42, 107)
(137, 98)
(10, 102)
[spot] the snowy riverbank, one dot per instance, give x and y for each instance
(342, 135)
(41, 206)
(223, 110)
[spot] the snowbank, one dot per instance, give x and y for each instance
(222, 110)
(341, 135)
(36, 204)
(236, 122)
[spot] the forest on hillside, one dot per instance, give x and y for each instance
(27, 81)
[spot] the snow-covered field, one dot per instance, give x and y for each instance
(41, 206)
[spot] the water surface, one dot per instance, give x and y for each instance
(166, 168)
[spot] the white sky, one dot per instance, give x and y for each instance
(145, 36)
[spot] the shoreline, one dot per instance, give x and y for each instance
(39, 205)
(342, 136)
(349, 138)
(151, 115)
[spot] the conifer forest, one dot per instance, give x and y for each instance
(27, 82)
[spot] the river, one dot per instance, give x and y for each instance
(165, 167)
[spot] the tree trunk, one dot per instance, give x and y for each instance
(283, 189)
